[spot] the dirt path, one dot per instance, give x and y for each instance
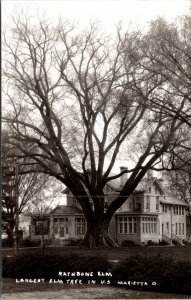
(93, 292)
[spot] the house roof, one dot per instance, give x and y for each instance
(131, 213)
(66, 210)
(37, 212)
(143, 185)
(173, 200)
(115, 184)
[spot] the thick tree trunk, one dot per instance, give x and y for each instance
(97, 236)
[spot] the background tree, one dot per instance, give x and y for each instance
(76, 97)
(20, 189)
(164, 51)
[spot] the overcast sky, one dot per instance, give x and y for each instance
(108, 12)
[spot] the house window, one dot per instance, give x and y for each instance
(167, 226)
(123, 225)
(147, 202)
(120, 225)
(134, 202)
(55, 225)
(156, 190)
(179, 229)
(157, 203)
(176, 228)
(80, 226)
(164, 208)
(127, 225)
(149, 225)
(149, 190)
(130, 225)
(41, 227)
(182, 228)
(176, 210)
(61, 226)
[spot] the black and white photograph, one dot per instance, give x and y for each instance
(96, 149)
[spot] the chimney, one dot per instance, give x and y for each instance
(124, 177)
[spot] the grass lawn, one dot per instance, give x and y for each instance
(176, 252)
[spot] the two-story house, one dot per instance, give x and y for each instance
(151, 215)
(148, 215)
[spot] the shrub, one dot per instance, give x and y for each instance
(128, 243)
(185, 242)
(170, 275)
(7, 243)
(27, 242)
(150, 243)
(33, 266)
(163, 243)
(176, 243)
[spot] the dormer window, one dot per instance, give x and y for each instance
(149, 190)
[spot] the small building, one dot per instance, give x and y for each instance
(62, 225)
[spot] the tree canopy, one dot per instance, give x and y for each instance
(77, 98)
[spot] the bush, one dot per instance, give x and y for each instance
(33, 266)
(150, 243)
(185, 242)
(7, 243)
(163, 243)
(170, 275)
(176, 243)
(27, 242)
(128, 243)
